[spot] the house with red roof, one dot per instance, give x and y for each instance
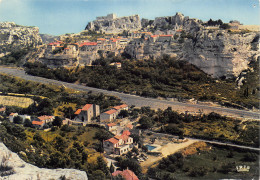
(11, 116)
(46, 119)
(87, 112)
(121, 107)
(88, 46)
(119, 144)
(42, 120)
(118, 65)
(126, 174)
(108, 115)
(38, 124)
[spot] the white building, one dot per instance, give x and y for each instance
(11, 116)
(119, 144)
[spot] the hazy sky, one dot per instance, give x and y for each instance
(71, 16)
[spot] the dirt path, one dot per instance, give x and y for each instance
(166, 150)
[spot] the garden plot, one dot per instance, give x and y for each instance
(15, 101)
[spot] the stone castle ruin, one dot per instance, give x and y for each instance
(111, 24)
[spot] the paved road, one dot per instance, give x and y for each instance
(140, 101)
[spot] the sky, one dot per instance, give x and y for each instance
(58, 17)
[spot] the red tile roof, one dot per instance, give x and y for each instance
(169, 35)
(126, 132)
(78, 111)
(86, 107)
(42, 118)
(111, 124)
(154, 36)
(12, 114)
(127, 174)
(101, 39)
(88, 44)
(123, 137)
(111, 111)
(113, 140)
(120, 106)
(37, 122)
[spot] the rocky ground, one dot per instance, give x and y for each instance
(12, 167)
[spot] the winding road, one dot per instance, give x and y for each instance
(140, 101)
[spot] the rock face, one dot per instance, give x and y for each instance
(18, 169)
(13, 36)
(218, 53)
(113, 24)
(178, 21)
(221, 53)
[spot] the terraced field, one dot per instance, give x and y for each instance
(15, 101)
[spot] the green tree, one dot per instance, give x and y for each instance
(27, 123)
(146, 122)
(102, 165)
(98, 175)
(60, 144)
(18, 120)
(57, 121)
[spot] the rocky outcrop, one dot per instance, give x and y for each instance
(221, 53)
(13, 168)
(113, 24)
(178, 21)
(218, 53)
(13, 36)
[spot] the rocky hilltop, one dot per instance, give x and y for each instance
(13, 36)
(178, 21)
(218, 53)
(113, 24)
(13, 168)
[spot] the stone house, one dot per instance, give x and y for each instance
(108, 115)
(121, 107)
(126, 174)
(88, 46)
(42, 120)
(38, 124)
(11, 116)
(119, 144)
(111, 126)
(45, 118)
(88, 112)
(25, 116)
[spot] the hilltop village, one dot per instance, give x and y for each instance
(52, 126)
(181, 37)
(86, 52)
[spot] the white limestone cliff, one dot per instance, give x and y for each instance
(21, 170)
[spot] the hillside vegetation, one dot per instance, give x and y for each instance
(66, 147)
(164, 77)
(212, 126)
(48, 99)
(213, 162)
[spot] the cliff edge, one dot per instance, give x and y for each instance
(12, 167)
